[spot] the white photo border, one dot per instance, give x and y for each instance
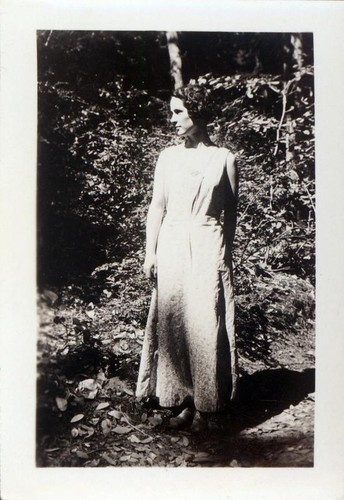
(20, 477)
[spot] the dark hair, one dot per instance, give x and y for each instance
(196, 99)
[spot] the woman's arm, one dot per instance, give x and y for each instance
(154, 219)
(230, 212)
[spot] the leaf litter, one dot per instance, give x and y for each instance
(120, 431)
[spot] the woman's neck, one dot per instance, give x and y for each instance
(197, 136)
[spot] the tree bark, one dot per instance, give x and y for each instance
(175, 58)
(298, 56)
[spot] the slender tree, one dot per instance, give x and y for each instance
(297, 52)
(175, 58)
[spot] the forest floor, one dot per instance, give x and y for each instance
(88, 416)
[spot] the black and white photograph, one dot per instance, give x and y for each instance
(176, 242)
(172, 275)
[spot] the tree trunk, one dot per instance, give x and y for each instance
(290, 141)
(297, 64)
(298, 55)
(175, 58)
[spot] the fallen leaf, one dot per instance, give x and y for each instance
(61, 403)
(76, 418)
(115, 413)
(100, 376)
(91, 394)
(81, 454)
(102, 406)
(51, 450)
(147, 440)
(140, 440)
(189, 452)
(91, 314)
(234, 463)
(116, 384)
(134, 439)
(106, 426)
(89, 384)
(185, 441)
(111, 460)
(89, 388)
(119, 429)
(202, 456)
(86, 430)
(74, 432)
(125, 418)
(94, 462)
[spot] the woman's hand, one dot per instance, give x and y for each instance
(150, 267)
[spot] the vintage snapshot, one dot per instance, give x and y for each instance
(171, 308)
(175, 249)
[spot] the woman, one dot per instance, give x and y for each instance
(189, 356)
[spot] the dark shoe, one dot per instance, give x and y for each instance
(182, 420)
(151, 403)
(199, 423)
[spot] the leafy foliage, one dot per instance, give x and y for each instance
(100, 165)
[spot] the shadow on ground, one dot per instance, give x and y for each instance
(261, 396)
(269, 392)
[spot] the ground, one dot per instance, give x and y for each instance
(88, 416)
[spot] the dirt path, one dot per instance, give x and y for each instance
(285, 440)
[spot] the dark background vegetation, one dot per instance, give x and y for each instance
(102, 121)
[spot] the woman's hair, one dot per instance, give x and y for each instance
(196, 100)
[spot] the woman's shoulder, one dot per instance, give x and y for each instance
(226, 151)
(226, 154)
(170, 151)
(166, 158)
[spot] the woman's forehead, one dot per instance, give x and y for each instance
(176, 103)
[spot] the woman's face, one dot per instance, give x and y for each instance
(180, 117)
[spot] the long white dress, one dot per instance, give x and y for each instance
(189, 347)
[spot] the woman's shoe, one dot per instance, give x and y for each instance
(199, 423)
(182, 420)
